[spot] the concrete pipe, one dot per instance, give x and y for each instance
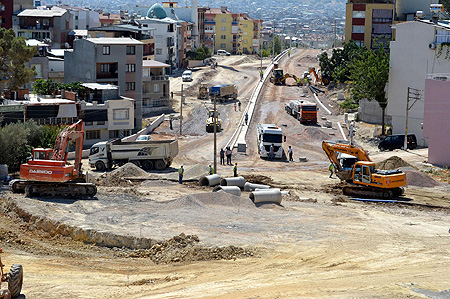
(209, 180)
(282, 192)
(234, 181)
(251, 187)
(270, 195)
(235, 190)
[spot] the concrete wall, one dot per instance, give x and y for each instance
(410, 70)
(79, 65)
(436, 122)
(371, 112)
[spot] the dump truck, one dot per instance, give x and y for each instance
(304, 111)
(223, 92)
(269, 134)
(153, 154)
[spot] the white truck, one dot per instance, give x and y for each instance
(269, 134)
(152, 154)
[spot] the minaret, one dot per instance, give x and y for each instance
(194, 19)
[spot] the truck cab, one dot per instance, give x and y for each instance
(269, 134)
(98, 158)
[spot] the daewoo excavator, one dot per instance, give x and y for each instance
(325, 80)
(47, 173)
(364, 180)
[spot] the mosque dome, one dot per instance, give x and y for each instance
(156, 12)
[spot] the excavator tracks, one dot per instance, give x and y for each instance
(71, 189)
(368, 192)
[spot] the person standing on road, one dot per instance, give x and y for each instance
(290, 152)
(271, 152)
(246, 118)
(228, 153)
(298, 82)
(331, 168)
(211, 169)
(222, 157)
(234, 106)
(180, 174)
(235, 170)
(170, 122)
(239, 105)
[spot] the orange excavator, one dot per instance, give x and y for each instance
(363, 178)
(47, 173)
(325, 80)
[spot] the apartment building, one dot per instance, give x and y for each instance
(422, 40)
(369, 22)
(11, 7)
(140, 32)
(50, 26)
(116, 61)
(155, 86)
(251, 29)
(83, 18)
(47, 62)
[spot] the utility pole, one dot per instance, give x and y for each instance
(335, 32)
(215, 136)
(260, 55)
(415, 95)
(181, 110)
(273, 41)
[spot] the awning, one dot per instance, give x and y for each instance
(67, 110)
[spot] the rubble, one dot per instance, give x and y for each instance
(115, 177)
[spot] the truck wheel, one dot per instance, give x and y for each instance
(160, 165)
(29, 190)
(100, 166)
(147, 164)
(15, 280)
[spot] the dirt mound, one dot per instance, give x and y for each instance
(115, 177)
(258, 179)
(242, 61)
(191, 173)
(312, 134)
(184, 248)
(393, 162)
(418, 178)
(203, 200)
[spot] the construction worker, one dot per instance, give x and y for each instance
(298, 82)
(222, 157)
(211, 169)
(180, 174)
(331, 168)
(306, 80)
(235, 170)
(246, 118)
(235, 106)
(170, 122)
(290, 152)
(289, 53)
(271, 152)
(228, 154)
(239, 105)
(262, 74)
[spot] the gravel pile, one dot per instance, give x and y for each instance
(418, 178)
(115, 177)
(185, 248)
(393, 162)
(220, 198)
(313, 133)
(191, 173)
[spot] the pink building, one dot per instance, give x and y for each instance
(436, 118)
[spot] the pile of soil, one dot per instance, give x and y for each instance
(208, 199)
(313, 134)
(115, 177)
(258, 179)
(185, 248)
(191, 173)
(418, 178)
(393, 162)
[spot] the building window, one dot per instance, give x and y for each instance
(359, 43)
(105, 68)
(245, 33)
(359, 14)
(92, 134)
(245, 41)
(106, 50)
(223, 46)
(156, 88)
(223, 37)
(224, 28)
(131, 50)
(245, 25)
(129, 86)
(130, 68)
(121, 114)
(114, 134)
(224, 20)
(357, 29)
(158, 51)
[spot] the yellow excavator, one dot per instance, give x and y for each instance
(363, 178)
(278, 78)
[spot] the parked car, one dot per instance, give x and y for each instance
(144, 138)
(223, 53)
(397, 142)
(187, 76)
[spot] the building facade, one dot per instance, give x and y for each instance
(116, 61)
(155, 86)
(422, 41)
(11, 7)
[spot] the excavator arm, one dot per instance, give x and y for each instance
(61, 148)
(331, 148)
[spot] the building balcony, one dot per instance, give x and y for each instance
(43, 28)
(156, 78)
(210, 22)
(107, 75)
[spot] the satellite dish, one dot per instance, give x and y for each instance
(67, 45)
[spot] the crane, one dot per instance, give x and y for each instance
(48, 173)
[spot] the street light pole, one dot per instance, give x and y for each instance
(215, 136)
(181, 110)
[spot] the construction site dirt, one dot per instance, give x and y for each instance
(155, 238)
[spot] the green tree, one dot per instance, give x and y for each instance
(14, 53)
(14, 145)
(446, 5)
(368, 78)
(277, 42)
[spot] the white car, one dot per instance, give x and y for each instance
(187, 76)
(223, 53)
(144, 138)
